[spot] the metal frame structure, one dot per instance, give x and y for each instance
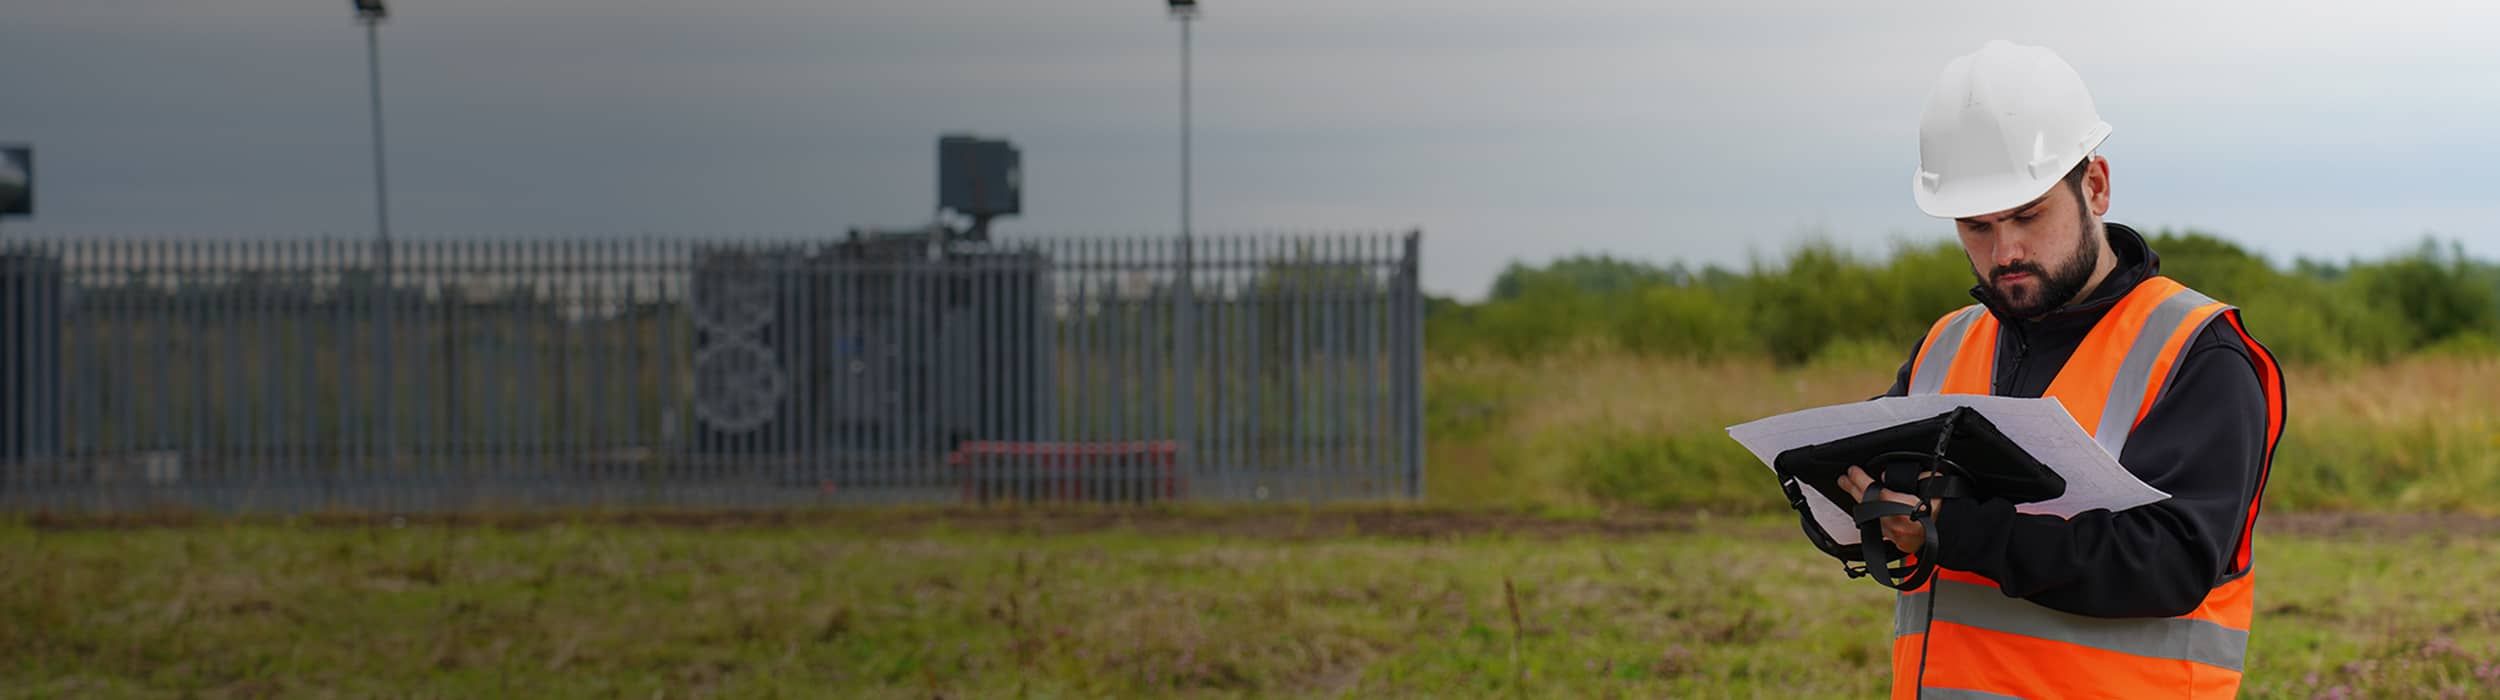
(235, 376)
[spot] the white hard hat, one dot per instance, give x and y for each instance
(2002, 126)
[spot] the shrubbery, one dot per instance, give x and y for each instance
(1822, 300)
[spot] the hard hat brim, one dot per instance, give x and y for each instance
(1963, 197)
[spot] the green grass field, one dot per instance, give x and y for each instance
(2419, 435)
(1363, 603)
(1568, 549)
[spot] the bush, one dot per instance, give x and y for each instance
(1685, 322)
(2436, 295)
(1820, 300)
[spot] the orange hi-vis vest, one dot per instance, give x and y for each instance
(1986, 645)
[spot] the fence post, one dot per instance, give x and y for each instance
(1185, 357)
(1411, 286)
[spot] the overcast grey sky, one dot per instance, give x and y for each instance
(1701, 131)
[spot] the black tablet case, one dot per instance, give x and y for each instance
(1994, 466)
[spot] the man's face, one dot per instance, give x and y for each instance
(2039, 256)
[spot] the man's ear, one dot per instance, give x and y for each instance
(2096, 186)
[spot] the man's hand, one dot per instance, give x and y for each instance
(1899, 529)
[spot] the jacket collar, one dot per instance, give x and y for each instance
(2136, 263)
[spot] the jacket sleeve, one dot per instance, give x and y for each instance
(2203, 442)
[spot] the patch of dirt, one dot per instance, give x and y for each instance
(1269, 522)
(1290, 523)
(1296, 524)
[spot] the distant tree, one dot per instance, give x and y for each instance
(1600, 275)
(2435, 288)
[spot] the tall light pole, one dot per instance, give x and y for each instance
(1185, 312)
(1184, 11)
(371, 13)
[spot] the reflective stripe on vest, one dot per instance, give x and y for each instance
(1938, 357)
(1986, 644)
(2127, 395)
(2129, 392)
(1973, 605)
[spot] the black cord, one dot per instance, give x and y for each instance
(1924, 637)
(1927, 558)
(1934, 584)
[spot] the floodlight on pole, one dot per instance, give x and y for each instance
(17, 180)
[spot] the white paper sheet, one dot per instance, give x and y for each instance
(2094, 479)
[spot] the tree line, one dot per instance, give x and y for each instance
(1821, 301)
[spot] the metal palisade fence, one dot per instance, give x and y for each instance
(293, 376)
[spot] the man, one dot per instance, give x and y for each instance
(2154, 601)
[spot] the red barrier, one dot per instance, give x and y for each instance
(1135, 471)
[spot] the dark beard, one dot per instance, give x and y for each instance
(2056, 288)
